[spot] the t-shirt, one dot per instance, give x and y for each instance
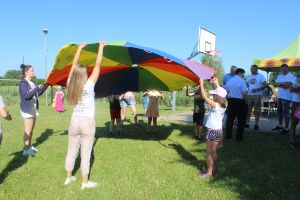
(198, 103)
(235, 87)
(1, 102)
(296, 95)
(128, 95)
(285, 93)
(115, 104)
(215, 117)
(255, 81)
(227, 77)
(86, 107)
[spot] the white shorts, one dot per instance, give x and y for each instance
(29, 115)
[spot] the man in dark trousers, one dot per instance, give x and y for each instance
(237, 107)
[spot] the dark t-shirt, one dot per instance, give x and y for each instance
(115, 104)
(198, 103)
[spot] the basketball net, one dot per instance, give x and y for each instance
(213, 52)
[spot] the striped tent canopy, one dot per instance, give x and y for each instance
(129, 67)
(290, 56)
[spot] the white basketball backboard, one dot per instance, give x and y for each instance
(207, 42)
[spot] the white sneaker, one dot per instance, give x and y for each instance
(70, 180)
(34, 149)
(29, 152)
(89, 184)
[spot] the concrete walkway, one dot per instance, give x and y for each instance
(265, 124)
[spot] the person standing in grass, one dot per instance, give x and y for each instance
(256, 83)
(152, 110)
(237, 106)
(59, 100)
(82, 128)
(115, 112)
(5, 115)
(29, 105)
(283, 83)
(199, 110)
(214, 125)
(128, 100)
(295, 90)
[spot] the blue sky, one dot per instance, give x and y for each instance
(245, 29)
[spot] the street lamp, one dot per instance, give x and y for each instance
(45, 31)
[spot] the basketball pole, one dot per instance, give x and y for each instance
(196, 51)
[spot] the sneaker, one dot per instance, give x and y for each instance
(70, 180)
(256, 127)
(89, 184)
(284, 131)
(277, 128)
(247, 126)
(34, 149)
(204, 175)
(29, 152)
(137, 124)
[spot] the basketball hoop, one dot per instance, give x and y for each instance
(213, 52)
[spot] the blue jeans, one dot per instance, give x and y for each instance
(284, 108)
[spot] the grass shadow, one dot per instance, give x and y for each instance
(19, 160)
(262, 167)
(187, 157)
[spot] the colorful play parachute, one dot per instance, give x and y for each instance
(129, 67)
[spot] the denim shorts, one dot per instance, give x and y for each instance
(145, 102)
(127, 102)
(284, 107)
(214, 135)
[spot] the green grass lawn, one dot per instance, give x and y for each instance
(137, 165)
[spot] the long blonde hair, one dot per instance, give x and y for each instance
(76, 83)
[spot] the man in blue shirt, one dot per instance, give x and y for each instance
(229, 75)
(237, 92)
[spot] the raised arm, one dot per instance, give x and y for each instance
(189, 94)
(76, 57)
(96, 71)
(204, 96)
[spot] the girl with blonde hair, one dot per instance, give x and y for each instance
(82, 126)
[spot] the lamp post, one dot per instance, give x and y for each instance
(45, 31)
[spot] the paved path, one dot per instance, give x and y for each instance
(265, 124)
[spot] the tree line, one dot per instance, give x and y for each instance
(12, 78)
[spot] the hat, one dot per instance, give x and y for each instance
(219, 91)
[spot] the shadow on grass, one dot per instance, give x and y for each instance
(187, 157)
(19, 160)
(131, 131)
(262, 167)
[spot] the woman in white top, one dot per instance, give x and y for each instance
(82, 126)
(213, 124)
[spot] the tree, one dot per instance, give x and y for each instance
(214, 61)
(12, 74)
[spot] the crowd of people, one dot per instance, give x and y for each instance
(232, 101)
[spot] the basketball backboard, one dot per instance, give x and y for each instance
(206, 42)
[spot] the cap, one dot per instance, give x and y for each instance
(219, 91)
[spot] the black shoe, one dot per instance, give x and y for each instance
(277, 128)
(256, 127)
(284, 132)
(246, 125)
